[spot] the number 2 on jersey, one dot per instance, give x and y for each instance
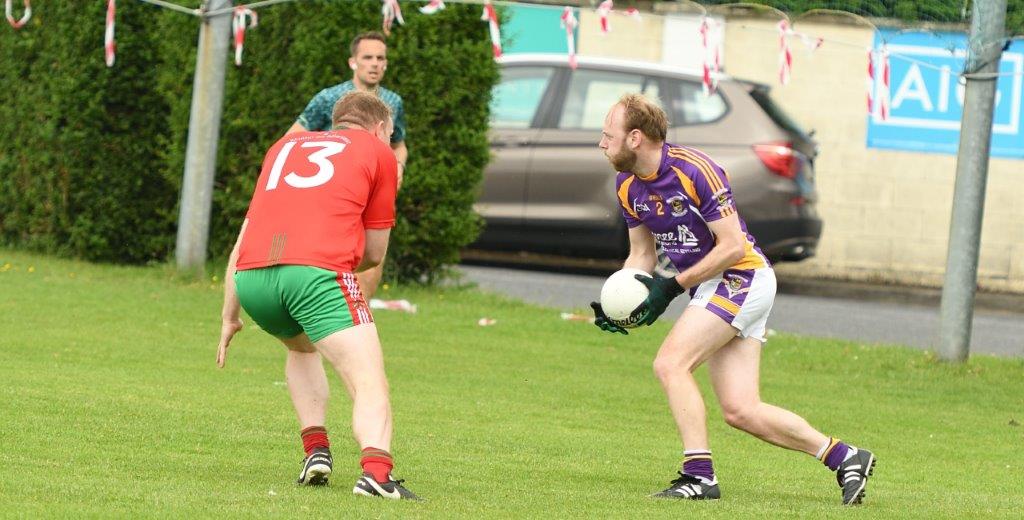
(321, 158)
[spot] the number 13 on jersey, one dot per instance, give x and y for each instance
(320, 157)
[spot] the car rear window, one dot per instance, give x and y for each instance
(774, 111)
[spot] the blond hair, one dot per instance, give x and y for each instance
(360, 108)
(642, 114)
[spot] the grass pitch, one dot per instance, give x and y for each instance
(111, 405)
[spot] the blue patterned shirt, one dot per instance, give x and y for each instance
(317, 115)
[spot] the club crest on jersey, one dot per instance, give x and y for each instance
(678, 205)
(722, 196)
(734, 285)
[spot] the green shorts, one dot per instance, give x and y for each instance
(287, 300)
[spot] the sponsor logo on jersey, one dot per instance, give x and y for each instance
(686, 237)
(640, 206)
(682, 236)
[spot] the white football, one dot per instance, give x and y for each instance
(621, 295)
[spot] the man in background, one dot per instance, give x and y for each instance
(368, 60)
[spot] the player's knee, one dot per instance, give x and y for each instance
(738, 416)
(665, 367)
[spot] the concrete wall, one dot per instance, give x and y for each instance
(886, 213)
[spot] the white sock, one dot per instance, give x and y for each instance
(821, 450)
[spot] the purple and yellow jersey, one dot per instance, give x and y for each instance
(677, 202)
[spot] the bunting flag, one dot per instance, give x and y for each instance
(491, 16)
(602, 12)
(878, 83)
(108, 37)
(18, 24)
(812, 43)
(710, 38)
(870, 82)
(432, 7)
(238, 27)
(392, 13)
(569, 22)
(785, 56)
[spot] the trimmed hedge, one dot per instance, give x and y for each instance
(77, 159)
(93, 163)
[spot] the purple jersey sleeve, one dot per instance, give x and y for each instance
(712, 185)
(623, 181)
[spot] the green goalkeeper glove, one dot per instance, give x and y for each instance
(602, 321)
(663, 291)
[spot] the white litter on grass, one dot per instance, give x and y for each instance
(486, 322)
(770, 332)
(393, 305)
(568, 316)
(272, 493)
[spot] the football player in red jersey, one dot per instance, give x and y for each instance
(322, 210)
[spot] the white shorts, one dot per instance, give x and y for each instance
(741, 297)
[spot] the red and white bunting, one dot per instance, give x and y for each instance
(878, 83)
(710, 38)
(392, 13)
(602, 11)
(570, 23)
(238, 27)
(18, 24)
(812, 43)
(491, 16)
(432, 7)
(785, 56)
(883, 95)
(870, 82)
(108, 36)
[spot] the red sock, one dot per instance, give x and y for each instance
(314, 437)
(377, 463)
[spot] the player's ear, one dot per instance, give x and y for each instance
(352, 63)
(635, 138)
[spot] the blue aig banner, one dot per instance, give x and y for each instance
(926, 95)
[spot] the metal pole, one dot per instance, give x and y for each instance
(988, 19)
(203, 133)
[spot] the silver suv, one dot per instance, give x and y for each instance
(550, 189)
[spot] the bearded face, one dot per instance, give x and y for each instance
(623, 160)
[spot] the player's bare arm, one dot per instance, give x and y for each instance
(402, 154)
(376, 248)
(401, 151)
(643, 252)
(231, 322)
(729, 249)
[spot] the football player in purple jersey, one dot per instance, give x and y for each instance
(678, 197)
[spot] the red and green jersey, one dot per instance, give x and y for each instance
(317, 194)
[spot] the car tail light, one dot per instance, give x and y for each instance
(779, 158)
